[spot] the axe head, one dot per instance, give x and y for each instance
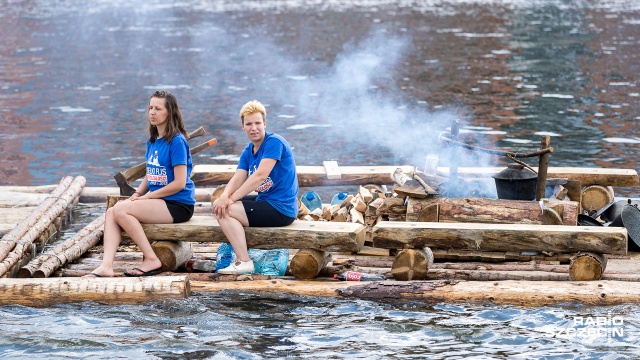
(125, 188)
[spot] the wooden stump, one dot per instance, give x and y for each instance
(172, 254)
(412, 264)
(586, 266)
(595, 197)
(307, 263)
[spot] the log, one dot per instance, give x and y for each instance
(325, 235)
(307, 263)
(493, 211)
(587, 266)
(51, 264)
(9, 240)
(66, 251)
(485, 275)
(172, 254)
(489, 256)
(308, 176)
(111, 291)
(520, 293)
(422, 209)
(42, 223)
(412, 264)
(587, 176)
(595, 197)
(500, 237)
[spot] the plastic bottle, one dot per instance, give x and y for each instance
(200, 265)
(358, 276)
(311, 200)
(339, 198)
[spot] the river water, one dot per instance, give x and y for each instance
(360, 82)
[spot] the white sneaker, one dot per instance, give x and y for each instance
(238, 267)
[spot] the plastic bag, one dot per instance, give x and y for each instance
(266, 262)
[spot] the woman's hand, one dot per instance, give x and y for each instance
(221, 206)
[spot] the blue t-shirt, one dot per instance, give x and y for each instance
(280, 188)
(161, 158)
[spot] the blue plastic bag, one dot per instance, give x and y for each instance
(225, 256)
(266, 262)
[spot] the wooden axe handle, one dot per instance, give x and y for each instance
(140, 170)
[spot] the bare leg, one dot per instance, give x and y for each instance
(128, 216)
(111, 240)
(233, 226)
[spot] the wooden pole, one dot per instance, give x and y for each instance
(543, 166)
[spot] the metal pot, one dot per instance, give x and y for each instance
(516, 183)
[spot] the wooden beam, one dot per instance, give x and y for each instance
(500, 237)
(322, 235)
(587, 176)
(205, 175)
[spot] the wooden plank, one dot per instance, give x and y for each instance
(332, 170)
(587, 176)
(323, 235)
(207, 175)
(500, 237)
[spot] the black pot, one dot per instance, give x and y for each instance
(516, 183)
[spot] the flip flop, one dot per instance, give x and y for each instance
(142, 272)
(95, 275)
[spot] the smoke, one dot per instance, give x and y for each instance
(360, 96)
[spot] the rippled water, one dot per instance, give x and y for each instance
(364, 83)
(243, 326)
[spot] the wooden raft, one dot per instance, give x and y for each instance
(500, 237)
(328, 236)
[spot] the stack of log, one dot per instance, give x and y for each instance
(19, 245)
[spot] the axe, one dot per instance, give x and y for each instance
(139, 171)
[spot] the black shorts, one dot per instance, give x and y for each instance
(179, 212)
(262, 214)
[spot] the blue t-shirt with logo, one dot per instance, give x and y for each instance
(280, 188)
(161, 157)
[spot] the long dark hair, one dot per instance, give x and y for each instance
(174, 120)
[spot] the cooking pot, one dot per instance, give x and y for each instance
(516, 183)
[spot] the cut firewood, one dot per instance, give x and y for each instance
(358, 203)
(356, 216)
(365, 194)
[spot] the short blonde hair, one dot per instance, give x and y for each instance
(252, 107)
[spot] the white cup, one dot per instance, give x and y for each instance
(431, 164)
